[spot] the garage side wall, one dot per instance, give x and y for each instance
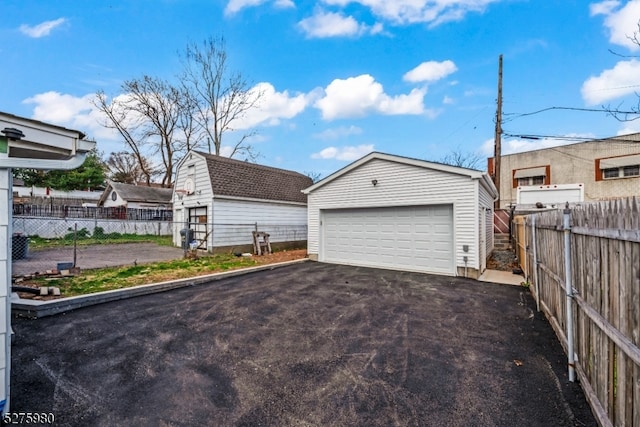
(486, 201)
(400, 185)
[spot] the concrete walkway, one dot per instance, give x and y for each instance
(501, 277)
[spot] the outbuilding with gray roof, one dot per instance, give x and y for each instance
(222, 200)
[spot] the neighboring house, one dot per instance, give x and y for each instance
(400, 213)
(594, 170)
(223, 200)
(133, 196)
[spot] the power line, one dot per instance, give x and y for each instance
(574, 138)
(591, 110)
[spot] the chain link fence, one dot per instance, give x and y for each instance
(41, 245)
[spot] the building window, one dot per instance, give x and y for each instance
(633, 170)
(611, 173)
(537, 175)
(532, 180)
(191, 170)
(618, 167)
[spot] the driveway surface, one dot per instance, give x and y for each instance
(305, 345)
(95, 256)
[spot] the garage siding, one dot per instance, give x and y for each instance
(486, 200)
(400, 185)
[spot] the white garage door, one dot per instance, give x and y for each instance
(417, 238)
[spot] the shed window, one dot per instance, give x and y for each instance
(191, 170)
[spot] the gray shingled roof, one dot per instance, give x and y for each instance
(142, 193)
(231, 177)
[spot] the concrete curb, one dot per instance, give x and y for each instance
(36, 309)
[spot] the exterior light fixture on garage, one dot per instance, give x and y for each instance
(374, 182)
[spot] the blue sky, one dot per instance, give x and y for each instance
(341, 78)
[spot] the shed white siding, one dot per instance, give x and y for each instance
(234, 220)
(400, 184)
(230, 220)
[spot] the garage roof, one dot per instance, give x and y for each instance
(471, 173)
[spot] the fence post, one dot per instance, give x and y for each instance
(535, 260)
(75, 243)
(185, 244)
(569, 290)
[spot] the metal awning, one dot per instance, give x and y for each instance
(530, 172)
(619, 162)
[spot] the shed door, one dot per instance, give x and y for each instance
(416, 238)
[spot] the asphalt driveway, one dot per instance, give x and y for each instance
(95, 256)
(305, 345)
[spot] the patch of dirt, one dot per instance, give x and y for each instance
(503, 260)
(281, 256)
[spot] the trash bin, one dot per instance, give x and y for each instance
(19, 246)
(187, 237)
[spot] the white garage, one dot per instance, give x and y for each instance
(394, 212)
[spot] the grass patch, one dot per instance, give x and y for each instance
(106, 279)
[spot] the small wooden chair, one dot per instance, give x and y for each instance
(261, 244)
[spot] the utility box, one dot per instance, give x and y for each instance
(186, 234)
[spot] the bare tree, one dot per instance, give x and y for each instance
(124, 167)
(462, 159)
(117, 118)
(224, 96)
(315, 176)
(633, 113)
(155, 120)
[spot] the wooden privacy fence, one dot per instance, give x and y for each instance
(584, 269)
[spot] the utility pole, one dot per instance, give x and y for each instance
(498, 136)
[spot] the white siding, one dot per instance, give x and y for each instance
(201, 197)
(234, 220)
(5, 283)
(201, 179)
(401, 185)
(110, 203)
(486, 201)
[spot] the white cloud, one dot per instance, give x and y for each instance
(347, 153)
(621, 80)
(448, 100)
(331, 24)
(434, 12)
(430, 71)
(235, 6)
(69, 111)
(339, 132)
(273, 106)
(621, 23)
(42, 29)
(358, 96)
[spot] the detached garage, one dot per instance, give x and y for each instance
(400, 213)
